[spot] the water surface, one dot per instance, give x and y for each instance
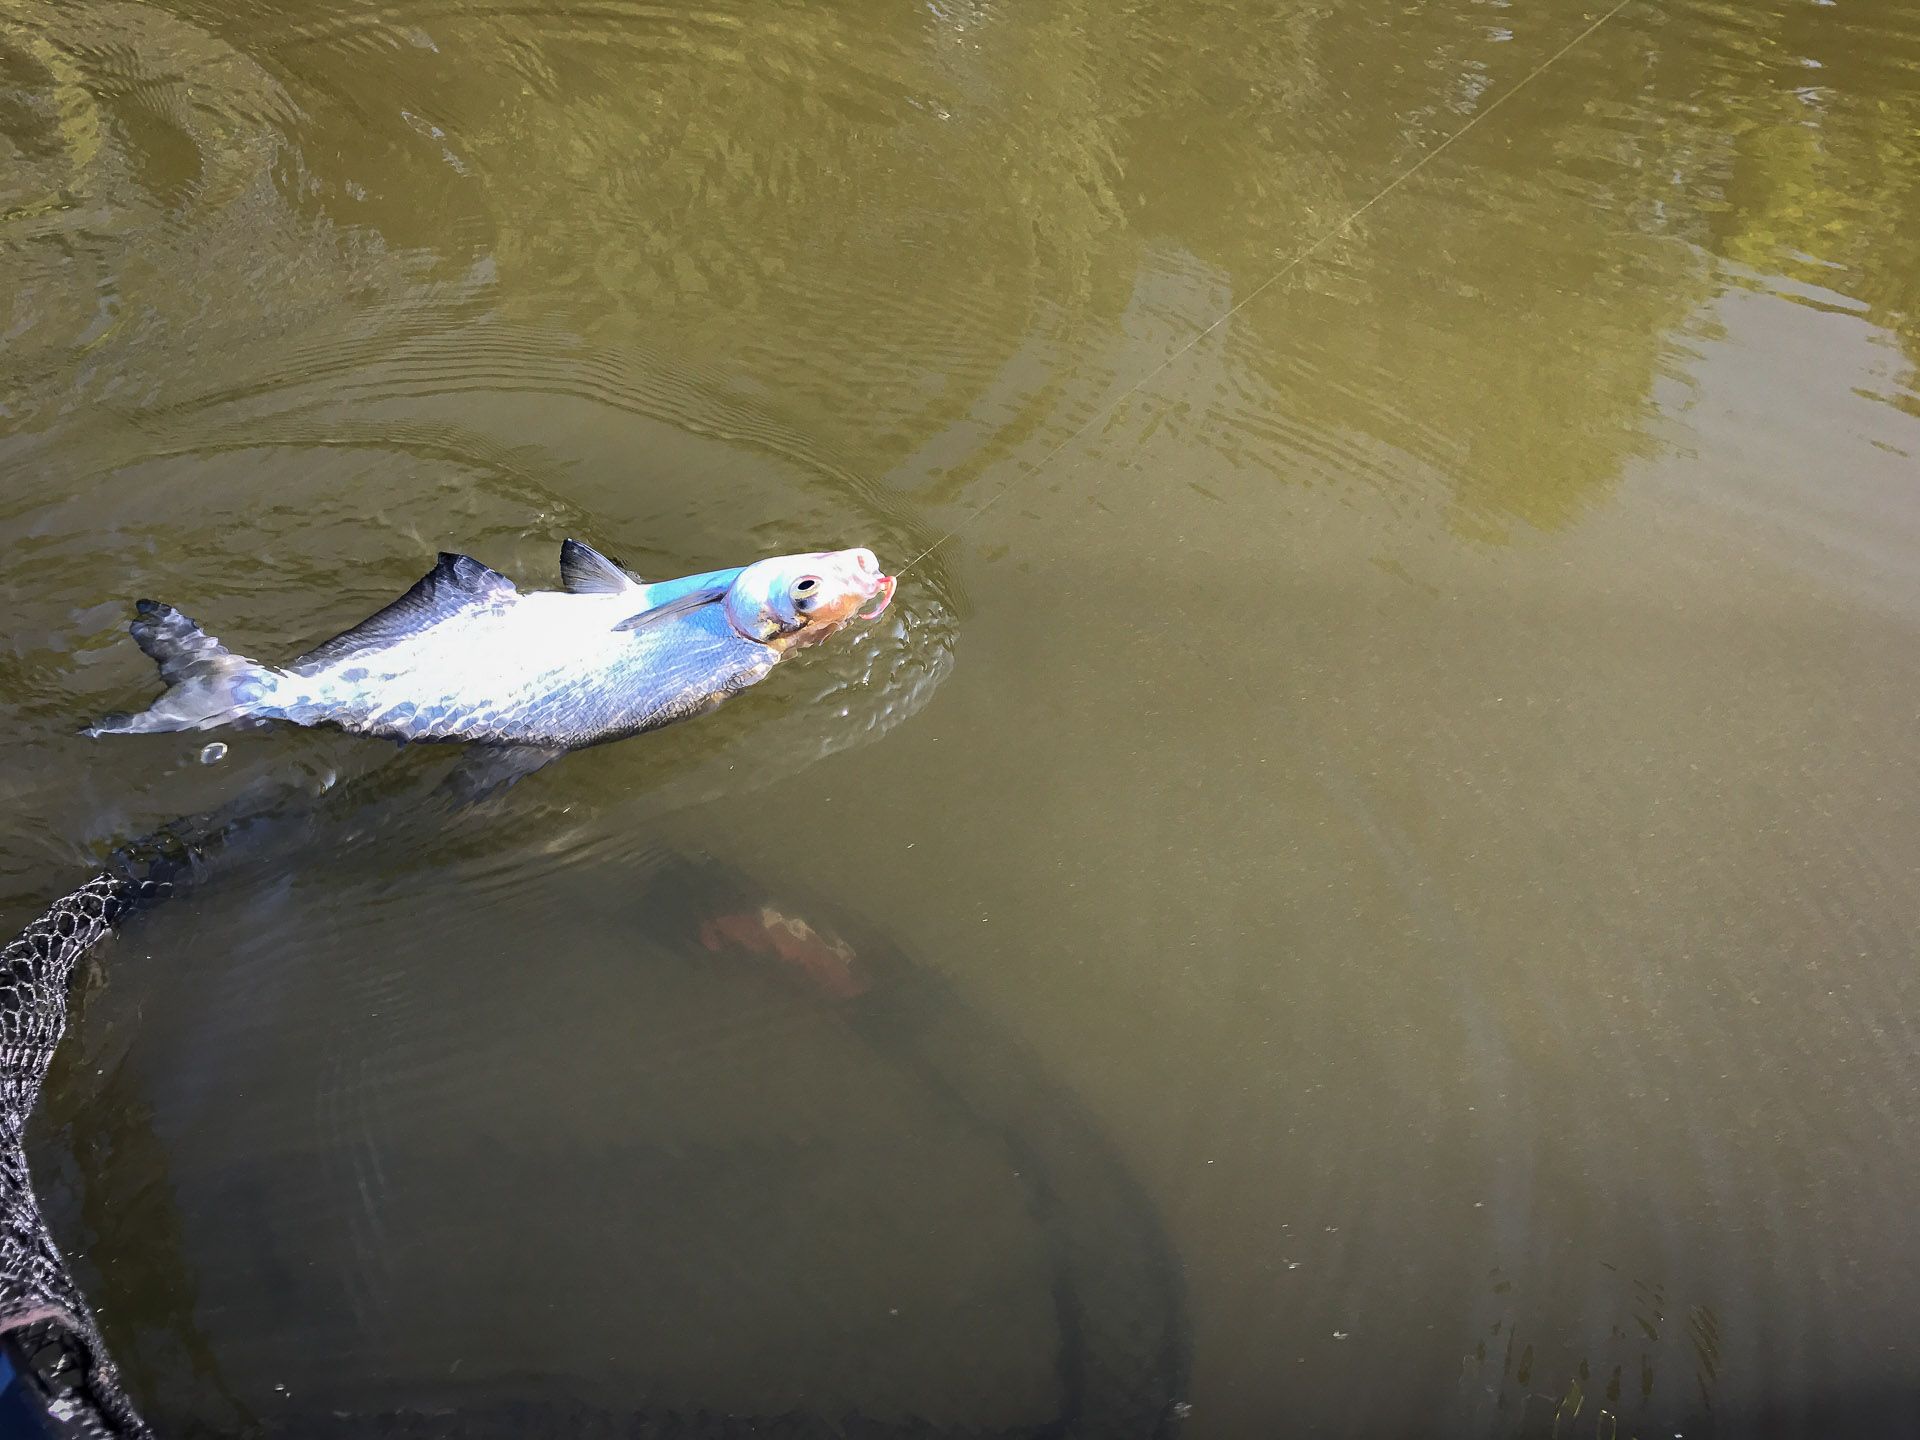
(1424, 782)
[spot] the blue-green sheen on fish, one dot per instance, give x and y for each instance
(465, 656)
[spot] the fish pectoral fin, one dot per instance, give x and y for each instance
(692, 600)
(585, 571)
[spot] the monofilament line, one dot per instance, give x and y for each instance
(1267, 284)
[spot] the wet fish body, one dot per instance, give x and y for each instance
(541, 669)
(465, 656)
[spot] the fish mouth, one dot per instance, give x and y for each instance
(885, 589)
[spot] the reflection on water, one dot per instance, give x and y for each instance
(1429, 771)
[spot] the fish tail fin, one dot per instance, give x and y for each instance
(207, 684)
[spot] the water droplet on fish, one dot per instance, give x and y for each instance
(214, 753)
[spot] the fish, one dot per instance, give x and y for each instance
(466, 656)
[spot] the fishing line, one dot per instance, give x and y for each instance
(1105, 411)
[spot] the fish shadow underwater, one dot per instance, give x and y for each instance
(1118, 1313)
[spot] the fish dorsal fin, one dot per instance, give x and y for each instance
(681, 605)
(457, 583)
(585, 571)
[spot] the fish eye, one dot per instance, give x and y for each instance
(804, 587)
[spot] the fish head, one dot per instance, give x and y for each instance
(795, 600)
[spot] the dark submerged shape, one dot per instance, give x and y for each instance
(1116, 1286)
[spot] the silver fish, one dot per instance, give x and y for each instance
(464, 655)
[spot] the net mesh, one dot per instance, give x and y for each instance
(55, 1341)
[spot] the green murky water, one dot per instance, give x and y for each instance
(1428, 777)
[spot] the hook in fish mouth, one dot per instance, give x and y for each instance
(887, 584)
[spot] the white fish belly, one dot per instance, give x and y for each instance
(492, 660)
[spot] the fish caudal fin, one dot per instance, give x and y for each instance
(207, 684)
